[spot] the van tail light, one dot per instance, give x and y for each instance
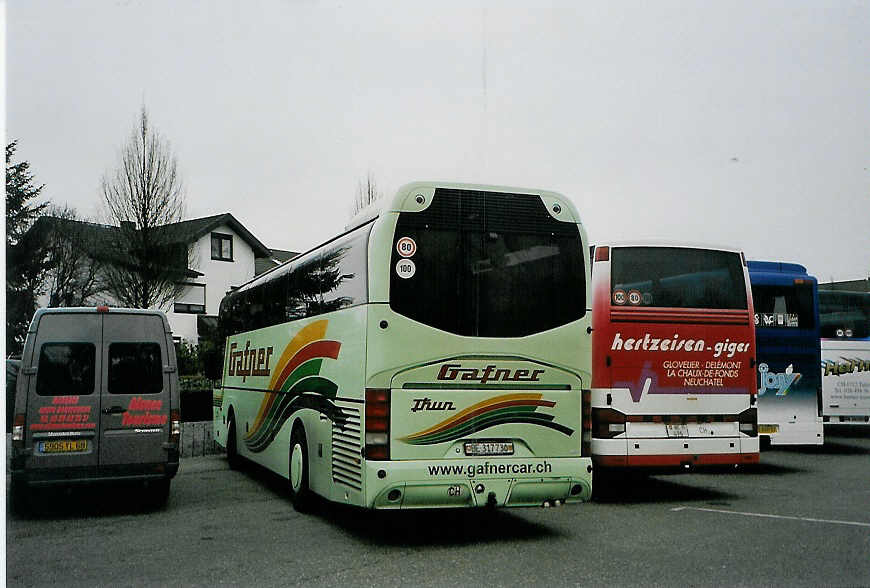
(607, 423)
(377, 423)
(586, 416)
(175, 426)
(103, 308)
(748, 420)
(18, 430)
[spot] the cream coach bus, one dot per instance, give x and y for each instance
(436, 354)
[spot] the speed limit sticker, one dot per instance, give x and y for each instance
(619, 297)
(406, 247)
(405, 269)
(634, 297)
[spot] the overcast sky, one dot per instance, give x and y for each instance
(737, 123)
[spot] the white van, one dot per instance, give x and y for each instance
(96, 400)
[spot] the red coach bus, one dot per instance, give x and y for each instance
(673, 358)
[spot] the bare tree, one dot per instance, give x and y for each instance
(75, 268)
(366, 193)
(143, 195)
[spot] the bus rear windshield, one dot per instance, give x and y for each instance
(844, 315)
(784, 306)
(677, 277)
(489, 265)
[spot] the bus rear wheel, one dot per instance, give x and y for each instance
(233, 459)
(300, 491)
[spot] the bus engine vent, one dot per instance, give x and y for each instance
(347, 449)
(470, 210)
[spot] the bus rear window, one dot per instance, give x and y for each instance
(784, 306)
(487, 264)
(677, 277)
(66, 369)
(844, 315)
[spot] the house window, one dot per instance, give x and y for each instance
(185, 308)
(221, 247)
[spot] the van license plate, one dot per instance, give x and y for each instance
(677, 430)
(63, 446)
(489, 448)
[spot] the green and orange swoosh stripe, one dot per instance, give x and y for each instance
(500, 410)
(297, 372)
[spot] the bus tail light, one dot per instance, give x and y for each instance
(586, 416)
(377, 423)
(174, 426)
(602, 253)
(18, 430)
(748, 420)
(607, 423)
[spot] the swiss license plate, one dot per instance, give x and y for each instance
(489, 448)
(677, 430)
(768, 429)
(76, 446)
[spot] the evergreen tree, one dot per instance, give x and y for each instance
(24, 260)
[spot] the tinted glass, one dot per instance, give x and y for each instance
(66, 369)
(303, 289)
(489, 265)
(327, 279)
(844, 315)
(676, 277)
(785, 307)
(135, 368)
(343, 272)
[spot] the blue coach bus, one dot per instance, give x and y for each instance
(786, 304)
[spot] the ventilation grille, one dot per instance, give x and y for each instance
(347, 449)
(470, 210)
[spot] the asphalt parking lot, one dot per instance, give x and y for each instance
(802, 518)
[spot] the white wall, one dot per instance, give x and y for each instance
(218, 276)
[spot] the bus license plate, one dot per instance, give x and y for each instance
(489, 448)
(677, 430)
(768, 429)
(63, 446)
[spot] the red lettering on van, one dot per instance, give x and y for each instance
(139, 403)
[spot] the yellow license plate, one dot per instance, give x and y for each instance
(768, 429)
(63, 446)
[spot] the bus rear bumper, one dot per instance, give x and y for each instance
(675, 453)
(478, 483)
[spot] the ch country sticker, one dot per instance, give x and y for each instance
(782, 383)
(296, 383)
(500, 410)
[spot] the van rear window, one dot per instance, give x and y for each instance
(135, 368)
(66, 369)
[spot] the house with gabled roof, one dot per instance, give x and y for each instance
(222, 254)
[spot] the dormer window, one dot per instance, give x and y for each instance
(221, 247)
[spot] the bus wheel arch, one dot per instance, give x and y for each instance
(298, 470)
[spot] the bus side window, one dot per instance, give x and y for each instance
(343, 272)
(303, 289)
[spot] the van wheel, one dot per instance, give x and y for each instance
(233, 458)
(157, 493)
(300, 491)
(19, 500)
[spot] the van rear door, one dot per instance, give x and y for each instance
(135, 390)
(63, 400)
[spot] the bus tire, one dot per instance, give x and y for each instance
(300, 491)
(233, 458)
